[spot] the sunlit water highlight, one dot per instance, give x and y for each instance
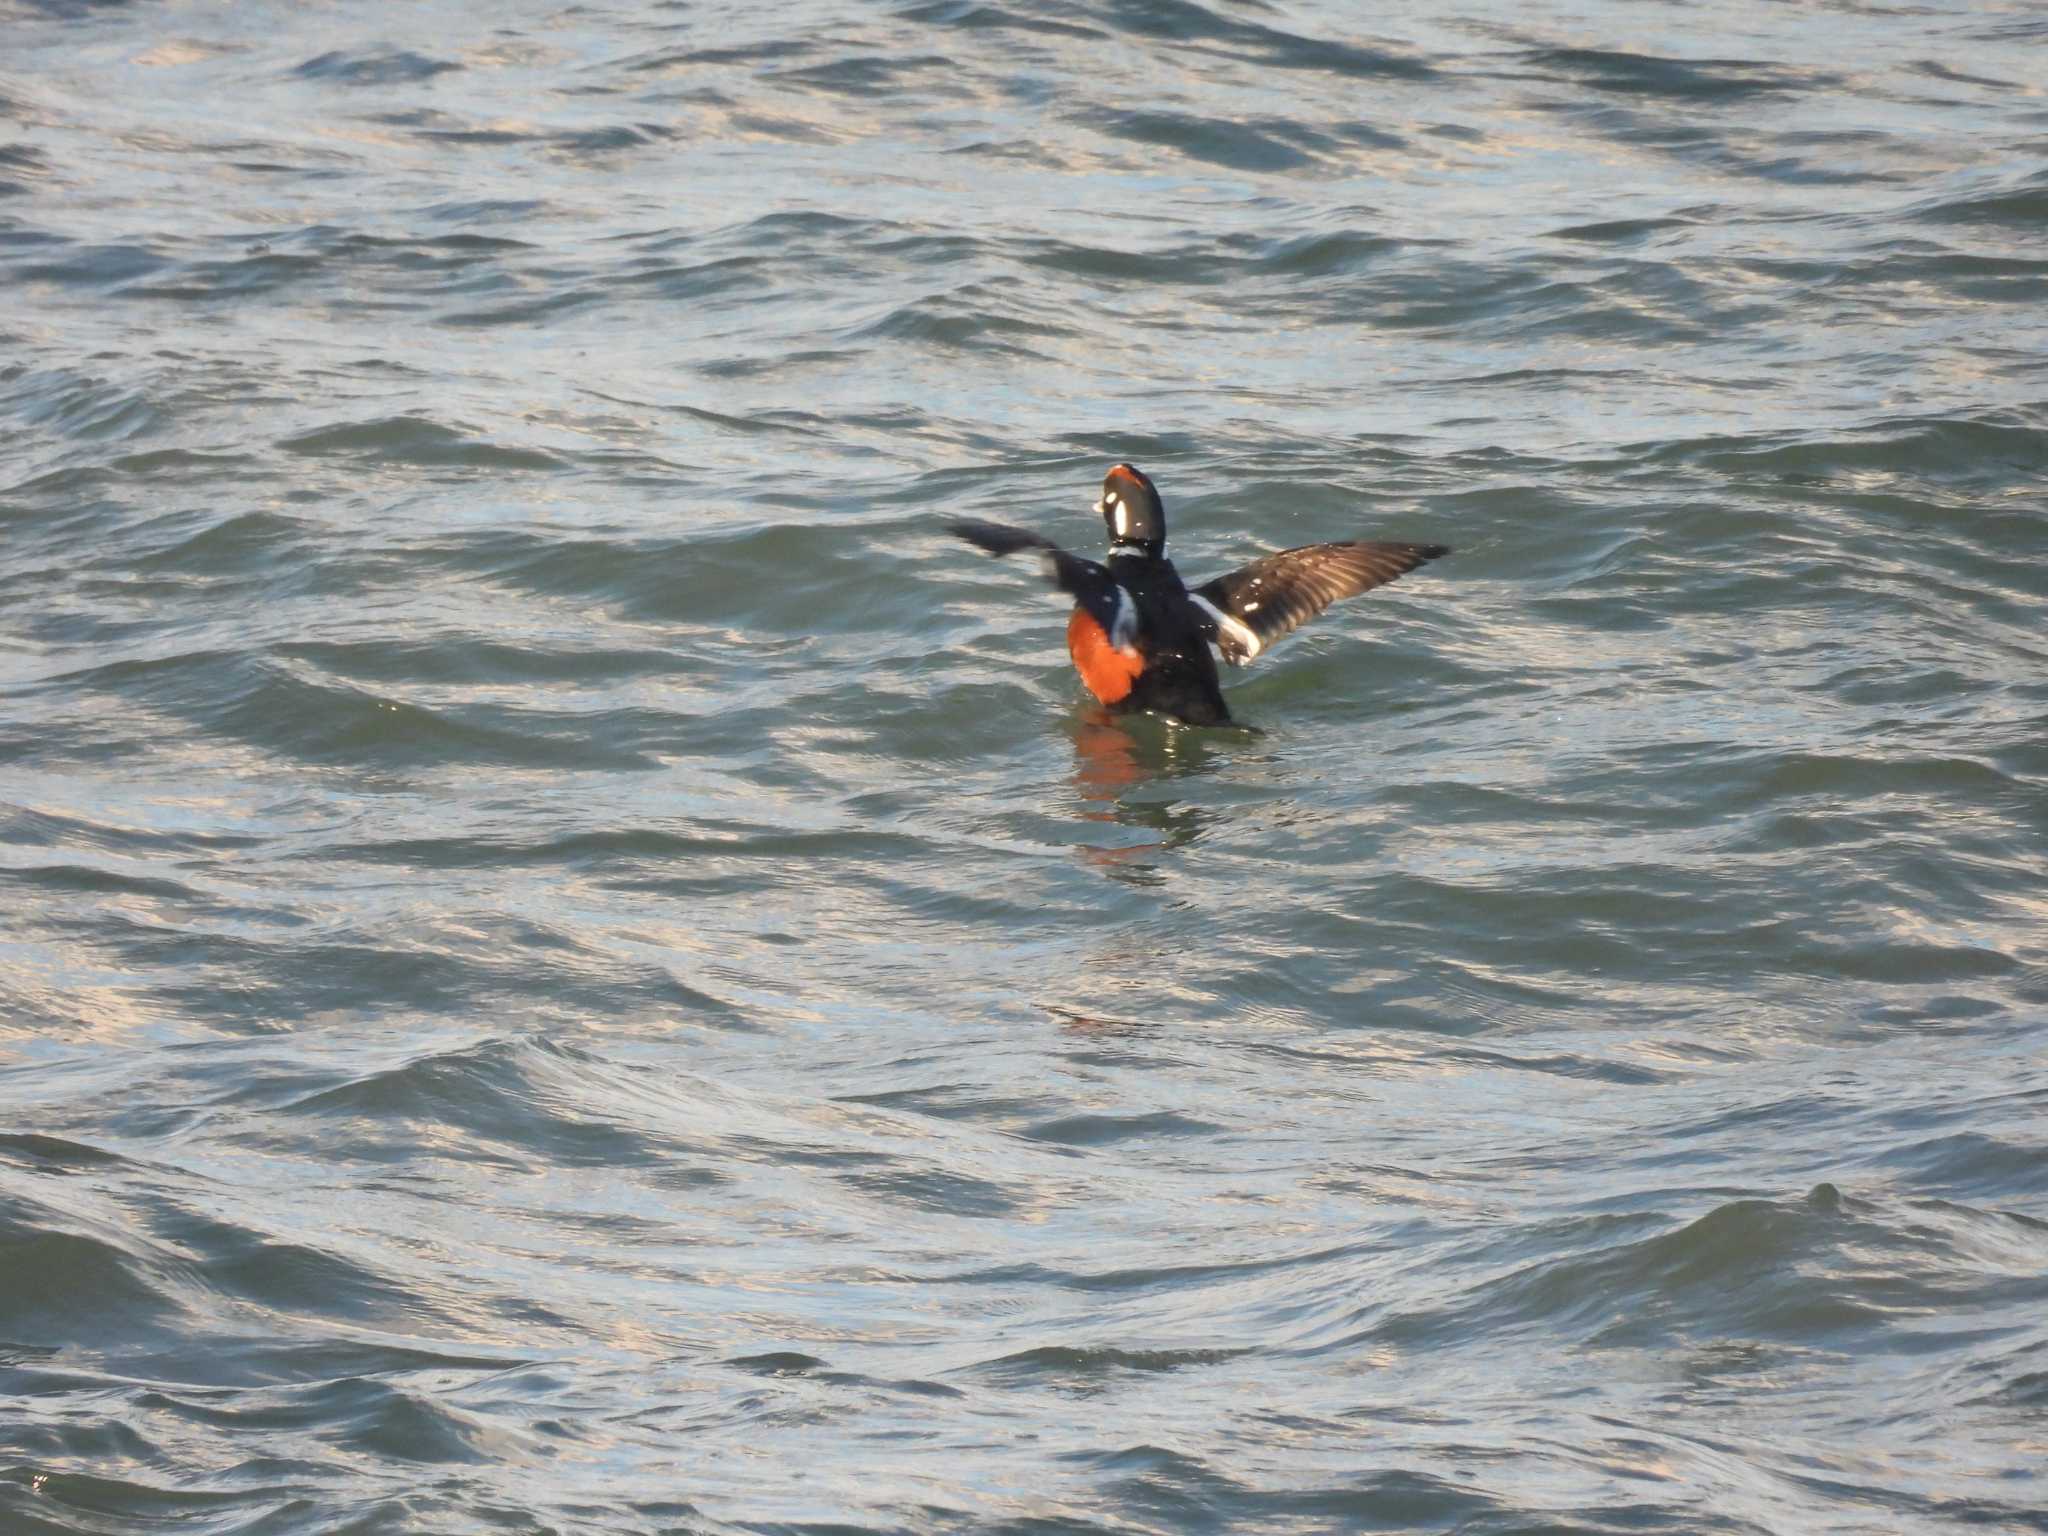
(568, 963)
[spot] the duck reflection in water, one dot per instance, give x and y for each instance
(1117, 754)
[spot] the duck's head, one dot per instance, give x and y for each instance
(1132, 511)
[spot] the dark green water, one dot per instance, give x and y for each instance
(568, 963)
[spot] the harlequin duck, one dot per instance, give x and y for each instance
(1141, 639)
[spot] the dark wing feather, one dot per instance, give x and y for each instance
(1246, 611)
(1091, 584)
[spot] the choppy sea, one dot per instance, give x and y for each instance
(570, 964)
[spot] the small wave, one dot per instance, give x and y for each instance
(176, 464)
(39, 828)
(56, 1154)
(1976, 1166)
(973, 16)
(389, 66)
(85, 879)
(415, 440)
(1326, 255)
(698, 282)
(70, 1276)
(95, 266)
(501, 210)
(1621, 231)
(768, 51)
(1189, 22)
(2024, 206)
(301, 715)
(250, 541)
(259, 272)
(526, 312)
(464, 657)
(1795, 1271)
(1179, 1491)
(1237, 145)
(394, 1424)
(870, 75)
(1109, 1130)
(80, 406)
(1688, 80)
(21, 165)
(1958, 448)
(780, 1362)
(773, 845)
(600, 144)
(517, 1102)
(1076, 1365)
(933, 1189)
(66, 1503)
(958, 322)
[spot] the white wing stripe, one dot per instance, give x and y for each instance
(1123, 628)
(1236, 628)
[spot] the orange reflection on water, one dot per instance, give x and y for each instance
(1117, 755)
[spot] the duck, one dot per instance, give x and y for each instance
(1144, 641)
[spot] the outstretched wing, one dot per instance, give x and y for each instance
(1246, 611)
(1091, 584)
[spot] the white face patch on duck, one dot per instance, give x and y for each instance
(1120, 511)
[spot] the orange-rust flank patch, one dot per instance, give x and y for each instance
(1109, 673)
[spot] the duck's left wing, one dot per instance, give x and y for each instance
(1246, 611)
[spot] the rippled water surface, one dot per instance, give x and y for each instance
(569, 964)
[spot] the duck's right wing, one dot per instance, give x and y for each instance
(1246, 611)
(1091, 584)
